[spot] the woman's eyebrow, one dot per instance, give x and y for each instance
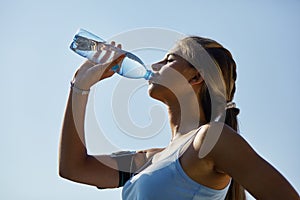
(167, 55)
(172, 54)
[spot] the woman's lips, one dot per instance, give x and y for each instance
(153, 78)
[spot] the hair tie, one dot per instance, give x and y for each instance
(230, 105)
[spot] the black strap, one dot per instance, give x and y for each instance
(124, 177)
(126, 166)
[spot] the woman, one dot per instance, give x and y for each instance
(206, 157)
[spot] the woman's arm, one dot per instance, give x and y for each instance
(102, 170)
(74, 162)
(233, 155)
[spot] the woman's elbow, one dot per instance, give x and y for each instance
(67, 170)
(64, 172)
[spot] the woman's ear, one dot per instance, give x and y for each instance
(197, 79)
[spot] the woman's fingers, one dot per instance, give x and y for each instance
(97, 56)
(90, 73)
(105, 53)
(104, 70)
(108, 51)
(117, 56)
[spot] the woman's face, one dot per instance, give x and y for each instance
(173, 77)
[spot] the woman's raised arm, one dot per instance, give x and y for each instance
(74, 162)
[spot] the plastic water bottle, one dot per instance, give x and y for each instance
(87, 45)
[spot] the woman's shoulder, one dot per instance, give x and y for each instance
(224, 146)
(211, 134)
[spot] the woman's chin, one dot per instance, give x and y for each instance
(157, 92)
(151, 90)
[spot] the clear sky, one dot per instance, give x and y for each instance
(37, 65)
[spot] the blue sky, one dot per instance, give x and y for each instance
(37, 65)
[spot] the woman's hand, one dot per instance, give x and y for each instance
(90, 73)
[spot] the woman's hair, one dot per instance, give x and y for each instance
(225, 62)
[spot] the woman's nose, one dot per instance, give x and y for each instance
(156, 66)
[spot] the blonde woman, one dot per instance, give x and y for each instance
(206, 157)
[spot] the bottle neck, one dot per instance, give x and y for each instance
(148, 74)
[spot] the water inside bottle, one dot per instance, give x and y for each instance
(88, 48)
(133, 67)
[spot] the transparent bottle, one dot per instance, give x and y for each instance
(89, 45)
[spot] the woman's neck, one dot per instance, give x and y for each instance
(185, 116)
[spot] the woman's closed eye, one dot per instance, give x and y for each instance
(170, 58)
